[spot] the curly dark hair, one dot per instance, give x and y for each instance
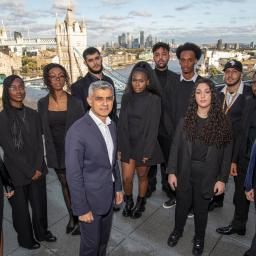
(143, 66)
(189, 47)
(160, 45)
(217, 130)
(47, 81)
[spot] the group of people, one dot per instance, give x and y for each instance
(198, 134)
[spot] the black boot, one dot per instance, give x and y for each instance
(72, 222)
(128, 206)
(138, 208)
(198, 246)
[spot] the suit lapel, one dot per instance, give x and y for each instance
(113, 135)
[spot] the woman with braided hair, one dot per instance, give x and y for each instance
(199, 161)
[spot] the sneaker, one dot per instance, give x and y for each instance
(191, 214)
(169, 203)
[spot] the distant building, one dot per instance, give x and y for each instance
(123, 41)
(119, 59)
(3, 33)
(219, 44)
(214, 57)
(135, 43)
(129, 40)
(142, 40)
(10, 62)
(149, 41)
(236, 46)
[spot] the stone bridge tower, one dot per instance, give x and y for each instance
(71, 38)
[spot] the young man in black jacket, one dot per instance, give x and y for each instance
(238, 104)
(161, 56)
(79, 89)
(182, 87)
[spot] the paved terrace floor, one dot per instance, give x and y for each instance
(146, 236)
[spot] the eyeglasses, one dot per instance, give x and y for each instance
(57, 78)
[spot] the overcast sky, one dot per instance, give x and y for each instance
(199, 21)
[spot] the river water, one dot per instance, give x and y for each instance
(34, 94)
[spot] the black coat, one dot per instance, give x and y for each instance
(218, 162)
(148, 141)
(80, 90)
(75, 111)
(166, 126)
(239, 115)
(22, 164)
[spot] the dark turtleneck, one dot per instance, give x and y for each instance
(162, 76)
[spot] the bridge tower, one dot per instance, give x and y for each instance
(3, 33)
(71, 38)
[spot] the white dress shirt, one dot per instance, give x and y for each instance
(104, 129)
(188, 80)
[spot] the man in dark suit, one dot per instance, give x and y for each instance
(161, 56)
(250, 181)
(237, 102)
(92, 170)
(93, 61)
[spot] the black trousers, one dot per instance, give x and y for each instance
(95, 236)
(35, 195)
(252, 251)
(240, 201)
(192, 198)
(1, 204)
(152, 181)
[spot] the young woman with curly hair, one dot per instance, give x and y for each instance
(199, 161)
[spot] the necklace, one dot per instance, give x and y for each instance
(233, 98)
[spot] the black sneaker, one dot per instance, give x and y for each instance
(169, 203)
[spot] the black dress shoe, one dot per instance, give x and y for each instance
(229, 230)
(215, 204)
(49, 237)
(116, 208)
(247, 253)
(34, 246)
(76, 231)
(70, 226)
(198, 246)
(174, 238)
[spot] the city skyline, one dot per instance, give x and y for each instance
(203, 21)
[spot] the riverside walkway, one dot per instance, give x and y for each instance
(146, 236)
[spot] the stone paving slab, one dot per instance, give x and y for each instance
(146, 236)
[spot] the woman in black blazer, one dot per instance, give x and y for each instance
(58, 111)
(22, 144)
(199, 161)
(137, 134)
